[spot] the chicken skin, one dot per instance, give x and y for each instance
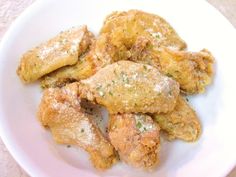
(98, 55)
(125, 27)
(62, 50)
(81, 70)
(136, 138)
(128, 87)
(60, 111)
(192, 70)
(181, 123)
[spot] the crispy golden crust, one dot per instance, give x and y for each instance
(84, 68)
(60, 51)
(103, 52)
(158, 46)
(143, 51)
(60, 111)
(181, 123)
(99, 54)
(121, 31)
(126, 86)
(136, 138)
(192, 70)
(125, 27)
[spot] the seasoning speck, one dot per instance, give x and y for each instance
(139, 125)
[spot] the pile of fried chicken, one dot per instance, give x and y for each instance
(138, 68)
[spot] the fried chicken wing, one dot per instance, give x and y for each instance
(192, 70)
(126, 86)
(181, 123)
(62, 50)
(99, 54)
(125, 27)
(81, 70)
(121, 30)
(136, 138)
(60, 110)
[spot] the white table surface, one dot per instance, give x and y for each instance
(10, 9)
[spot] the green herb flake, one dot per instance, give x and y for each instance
(139, 125)
(82, 130)
(110, 93)
(124, 77)
(170, 93)
(169, 75)
(150, 46)
(157, 36)
(145, 67)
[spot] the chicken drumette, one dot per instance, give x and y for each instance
(125, 87)
(181, 123)
(61, 112)
(136, 138)
(62, 50)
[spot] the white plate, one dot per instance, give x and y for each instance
(199, 24)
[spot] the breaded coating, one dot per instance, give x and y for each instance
(99, 54)
(121, 30)
(181, 123)
(62, 50)
(125, 27)
(128, 87)
(83, 69)
(192, 70)
(143, 38)
(60, 110)
(136, 138)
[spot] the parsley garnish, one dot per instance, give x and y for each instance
(169, 75)
(139, 125)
